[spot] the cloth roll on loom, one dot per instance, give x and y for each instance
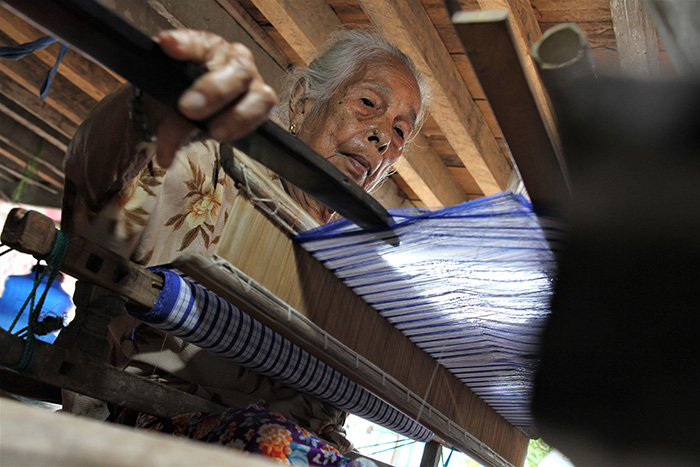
(189, 311)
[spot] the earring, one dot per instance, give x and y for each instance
(293, 129)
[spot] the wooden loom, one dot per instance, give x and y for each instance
(421, 388)
(297, 297)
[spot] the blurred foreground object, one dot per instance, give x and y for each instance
(618, 380)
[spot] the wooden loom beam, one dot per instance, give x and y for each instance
(488, 41)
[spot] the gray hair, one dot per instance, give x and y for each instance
(349, 52)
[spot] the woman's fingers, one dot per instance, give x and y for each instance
(231, 77)
(245, 115)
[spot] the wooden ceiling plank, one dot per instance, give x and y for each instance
(637, 41)
(452, 106)
(304, 24)
(40, 174)
(242, 17)
(33, 104)
(306, 27)
(26, 143)
(86, 75)
(36, 125)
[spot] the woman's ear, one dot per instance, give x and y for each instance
(299, 103)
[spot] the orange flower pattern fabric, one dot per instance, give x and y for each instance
(256, 430)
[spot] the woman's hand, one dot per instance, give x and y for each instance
(232, 86)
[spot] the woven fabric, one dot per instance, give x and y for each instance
(191, 312)
(469, 284)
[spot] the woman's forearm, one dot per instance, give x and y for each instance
(109, 149)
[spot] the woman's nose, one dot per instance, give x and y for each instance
(379, 138)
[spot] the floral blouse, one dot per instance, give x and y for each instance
(152, 215)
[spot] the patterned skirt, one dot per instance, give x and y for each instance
(250, 429)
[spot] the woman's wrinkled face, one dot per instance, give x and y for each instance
(363, 128)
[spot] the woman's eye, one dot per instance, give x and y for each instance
(399, 132)
(367, 102)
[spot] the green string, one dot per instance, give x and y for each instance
(54, 263)
(29, 171)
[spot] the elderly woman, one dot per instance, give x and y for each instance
(142, 182)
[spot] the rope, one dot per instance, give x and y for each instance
(447, 462)
(397, 446)
(54, 263)
(22, 50)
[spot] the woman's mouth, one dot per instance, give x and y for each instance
(358, 165)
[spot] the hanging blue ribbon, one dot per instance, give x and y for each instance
(44, 91)
(17, 52)
(20, 51)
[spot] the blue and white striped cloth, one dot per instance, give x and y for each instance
(191, 312)
(469, 284)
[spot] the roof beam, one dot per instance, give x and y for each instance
(25, 145)
(452, 106)
(19, 114)
(526, 31)
(32, 103)
(306, 25)
(676, 23)
(637, 41)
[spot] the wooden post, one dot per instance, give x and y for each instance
(431, 454)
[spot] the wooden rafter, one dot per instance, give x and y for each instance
(33, 105)
(24, 144)
(306, 26)
(637, 41)
(37, 126)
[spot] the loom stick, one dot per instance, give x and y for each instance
(35, 234)
(76, 371)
